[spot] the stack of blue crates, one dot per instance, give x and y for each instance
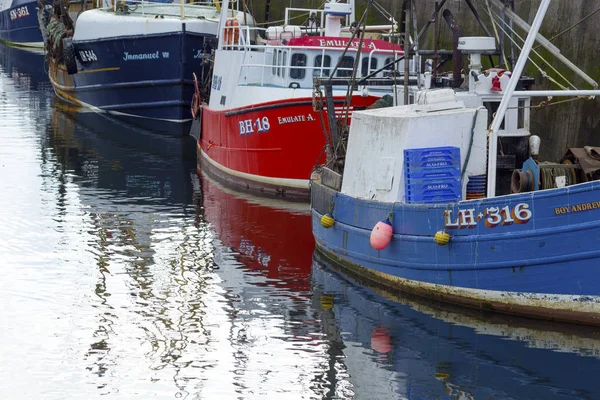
(432, 175)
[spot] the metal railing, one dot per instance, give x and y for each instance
(143, 6)
(244, 43)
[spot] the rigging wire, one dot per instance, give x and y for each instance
(495, 30)
(544, 73)
(569, 28)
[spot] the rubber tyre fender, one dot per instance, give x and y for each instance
(69, 56)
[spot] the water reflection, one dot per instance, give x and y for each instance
(270, 237)
(399, 347)
(125, 274)
(26, 69)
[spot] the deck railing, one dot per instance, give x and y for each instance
(143, 6)
(244, 43)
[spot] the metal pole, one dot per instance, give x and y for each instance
(556, 93)
(512, 84)
(545, 43)
(244, 11)
(502, 62)
(417, 61)
(406, 48)
(438, 7)
(436, 29)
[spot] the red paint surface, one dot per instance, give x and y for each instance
(286, 150)
(272, 241)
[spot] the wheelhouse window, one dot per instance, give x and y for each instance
(521, 114)
(324, 63)
(346, 66)
(279, 55)
(492, 107)
(387, 61)
(298, 60)
(364, 69)
(274, 62)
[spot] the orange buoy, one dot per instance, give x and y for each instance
(227, 34)
(236, 31)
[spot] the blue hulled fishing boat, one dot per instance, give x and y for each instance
(425, 200)
(136, 59)
(19, 23)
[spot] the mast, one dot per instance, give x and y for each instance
(512, 84)
(267, 11)
(406, 47)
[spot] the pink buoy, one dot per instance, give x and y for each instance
(381, 235)
(380, 340)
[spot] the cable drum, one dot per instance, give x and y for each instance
(550, 171)
(543, 175)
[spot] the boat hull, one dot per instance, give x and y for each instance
(268, 148)
(540, 259)
(19, 25)
(145, 77)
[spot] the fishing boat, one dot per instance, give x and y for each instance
(19, 23)
(261, 128)
(448, 198)
(135, 59)
(423, 349)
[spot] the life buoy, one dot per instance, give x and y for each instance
(227, 32)
(236, 31)
(195, 108)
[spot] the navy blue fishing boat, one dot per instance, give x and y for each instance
(135, 60)
(19, 23)
(426, 201)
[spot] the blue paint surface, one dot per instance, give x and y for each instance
(159, 85)
(24, 29)
(434, 352)
(554, 251)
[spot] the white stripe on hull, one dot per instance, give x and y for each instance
(285, 182)
(58, 87)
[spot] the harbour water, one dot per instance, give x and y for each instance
(124, 274)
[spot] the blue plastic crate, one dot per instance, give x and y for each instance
(439, 159)
(433, 190)
(432, 155)
(434, 183)
(432, 173)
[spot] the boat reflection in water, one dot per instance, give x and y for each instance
(26, 67)
(141, 162)
(141, 278)
(268, 236)
(397, 347)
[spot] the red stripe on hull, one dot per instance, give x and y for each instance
(276, 140)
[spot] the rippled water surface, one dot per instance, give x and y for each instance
(124, 274)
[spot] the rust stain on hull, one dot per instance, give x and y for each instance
(549, 308)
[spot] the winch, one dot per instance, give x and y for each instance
(576, 166)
